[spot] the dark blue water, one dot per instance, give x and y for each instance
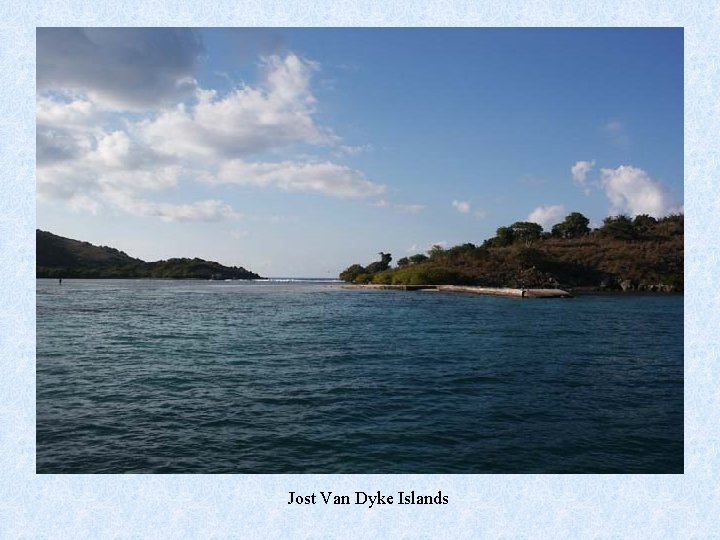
(207, 377)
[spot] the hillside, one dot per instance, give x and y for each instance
(640, 254)
(64, 257)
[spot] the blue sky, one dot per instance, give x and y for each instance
(296, 152)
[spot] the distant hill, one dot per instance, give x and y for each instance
(64, 257)
(640, 254)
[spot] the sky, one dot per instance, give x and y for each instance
(298, 152)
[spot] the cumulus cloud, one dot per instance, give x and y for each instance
(579, 173)
(462, 206)
(632, 191)
(78, 113)
(122, 68)
(113, 177)
(207, 210)
(273, 115)
(547, 216)
(62, 129)
(54, 145)
(326, 178)
(119, 115)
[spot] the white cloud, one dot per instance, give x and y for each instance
(273, 115)
(92, 176)
(325, 178)
(354, 150)
(462, 206)
(208, 210)
(66, 114)
(94, 158)
(547, 216)
(631, 190)
(55, 145)
(579, 173)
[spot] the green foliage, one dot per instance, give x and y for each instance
(428, 275)
(436, 252)
(383, 278)
(575, 225)
(643, 224)
(351, 273)
(618, 227)
(528, 257)
(504, 236)
(419, 258)
(523, 256)
(365, 274)
(381, 265)
(526, 232)
(64, 257)
(364, 279)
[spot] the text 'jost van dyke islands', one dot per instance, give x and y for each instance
(364, 498)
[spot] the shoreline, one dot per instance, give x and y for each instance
(513, 292)
(469, 289)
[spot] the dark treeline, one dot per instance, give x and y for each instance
(641, 253)
(59, 257)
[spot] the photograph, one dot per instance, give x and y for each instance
(359, 251)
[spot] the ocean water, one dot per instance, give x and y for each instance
(151, 376)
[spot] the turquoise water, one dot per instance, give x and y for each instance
(264, 377)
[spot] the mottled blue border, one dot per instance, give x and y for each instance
(219, 506)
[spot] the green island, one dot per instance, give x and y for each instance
(59, 257)
(624, 254)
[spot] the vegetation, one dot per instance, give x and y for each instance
(643, 253)
(63, 257)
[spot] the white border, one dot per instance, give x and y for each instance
(192, 506)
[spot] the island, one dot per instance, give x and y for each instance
(640, 254)
(60, 257)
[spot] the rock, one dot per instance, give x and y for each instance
(626, 285)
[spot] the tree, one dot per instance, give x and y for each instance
(436, 252)
(526, 232)
(419, 258)
(351, 273)
(404, 261)
(504, 236)
(574, 226)
(644, 223)
(381, 265)
(528, 256)
(618, 227)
